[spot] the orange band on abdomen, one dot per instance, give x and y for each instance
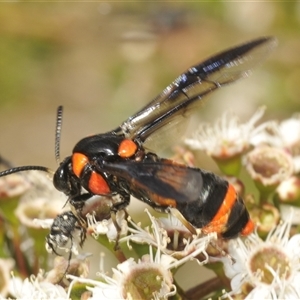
(227, 204)
(219, 221)
(249, 228)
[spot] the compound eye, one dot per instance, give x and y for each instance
(60, 180)
(127, 148)
(62, 177)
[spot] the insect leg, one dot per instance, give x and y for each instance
(125, 200)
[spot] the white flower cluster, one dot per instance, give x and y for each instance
(263, 265)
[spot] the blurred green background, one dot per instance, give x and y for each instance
(105, 60)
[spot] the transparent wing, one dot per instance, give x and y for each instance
(180, 98)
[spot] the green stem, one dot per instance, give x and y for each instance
(264, 196)
(118, 252)
(40, 252)
(18, 254)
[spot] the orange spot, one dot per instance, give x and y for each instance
(249, 227)
(219, 221)
(79, 161)
(98, 185)
(127, 148)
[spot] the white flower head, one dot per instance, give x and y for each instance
(227, 138)
(13, 185)
(290, 134)
(269, 166)
(285, 134)
(36, 288)
(38, 213)
(287, 195)
(78, 266)
(149, 278)
(267, 269)
(170, 237)
(41, 187)
(108, 226)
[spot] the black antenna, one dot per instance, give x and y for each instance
(24, 168)
(59, 116)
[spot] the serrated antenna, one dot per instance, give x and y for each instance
(25, 168)
(59, 116)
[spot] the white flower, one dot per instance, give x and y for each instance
(149, 277)
(287, 195)
(170, 237)
(78, 266)
(228, 137)
(38, 213)
(269, 166)
(13, 185)
(285, 213)
(41, 187)
(267, 269)
(107, 226)
(36, 288)
(282, 135)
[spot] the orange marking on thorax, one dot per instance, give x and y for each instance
(79, 161)
(98, 185)
(127, 148)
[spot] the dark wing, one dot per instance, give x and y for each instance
(164, 179)
(177, 101)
